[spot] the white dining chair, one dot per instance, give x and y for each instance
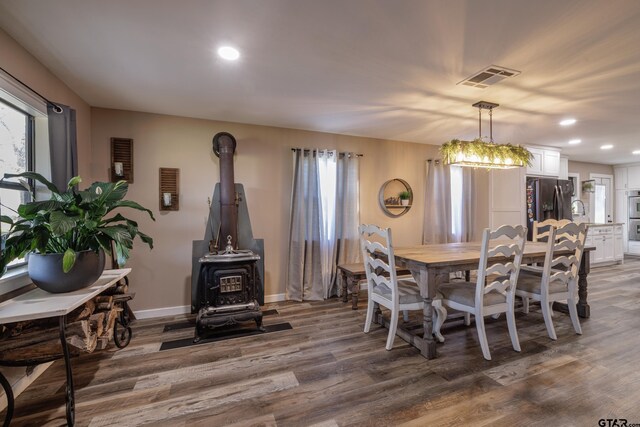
(540, 233)
(559, 283)
(493, 292)
(384, 286)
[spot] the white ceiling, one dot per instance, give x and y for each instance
(378, 68)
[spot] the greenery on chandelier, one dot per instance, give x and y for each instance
(485, 152)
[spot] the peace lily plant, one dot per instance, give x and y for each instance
(71, 222)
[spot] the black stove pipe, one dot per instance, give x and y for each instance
(224, 146)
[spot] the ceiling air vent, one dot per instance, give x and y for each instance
(489, 76)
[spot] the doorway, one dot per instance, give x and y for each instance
(601, 202)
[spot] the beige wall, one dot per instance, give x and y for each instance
(263, 163)
(20, 63)
(584, 169)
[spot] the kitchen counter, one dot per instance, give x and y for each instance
(608, 240)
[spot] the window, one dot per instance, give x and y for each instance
(456, 200)
(16, 156)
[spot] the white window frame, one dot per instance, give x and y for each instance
(24, 99)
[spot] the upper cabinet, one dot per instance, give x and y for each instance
(620, 178)
(564, 168)
(633, 177)
(545, 162)
(627, 177)
(536, 161)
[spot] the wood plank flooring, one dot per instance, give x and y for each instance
(327, 372)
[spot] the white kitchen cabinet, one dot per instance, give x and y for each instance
(608, 242)
(620, 178)
(634, 247)
(551, 163)
(545, 162)
(621, 215)
(564, 168)
(536, 162)
(507, 197)
(633, 177)
(618, 247)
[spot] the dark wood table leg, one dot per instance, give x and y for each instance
(353, 284)
(427, 281)
(8, 391)
(584, 310)
(585, 268)
(344, 286)
(377, 314)
(69, 396)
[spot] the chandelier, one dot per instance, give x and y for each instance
(480, 154)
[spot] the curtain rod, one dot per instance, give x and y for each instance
(313, 150)
(32, 90)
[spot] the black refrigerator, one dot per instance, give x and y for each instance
(548, 198)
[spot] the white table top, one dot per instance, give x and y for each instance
(38, 304)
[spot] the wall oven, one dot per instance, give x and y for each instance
(634, 215)
(634, 204)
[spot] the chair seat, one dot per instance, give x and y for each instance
(407, 290)
(532, 284)
(465, 293)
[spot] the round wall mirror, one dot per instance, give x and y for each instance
(395, 197)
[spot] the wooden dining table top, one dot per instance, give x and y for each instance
(449, 254)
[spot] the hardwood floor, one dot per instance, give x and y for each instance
(327, 372)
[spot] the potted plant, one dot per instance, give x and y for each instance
(405, 196)
(65, 237)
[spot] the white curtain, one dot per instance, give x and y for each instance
(437, 208)
(324, 212)
(450, 204)
(304, 234)
(327, 177)
(469, 206)
(348, 210)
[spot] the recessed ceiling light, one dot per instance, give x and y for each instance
(575, 141)
(636, 152)
(229, 53)
(568, 122)
(606, 147)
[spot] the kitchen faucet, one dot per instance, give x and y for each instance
(584, 211)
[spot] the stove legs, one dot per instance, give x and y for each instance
(259, 324)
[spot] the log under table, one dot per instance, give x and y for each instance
(39, 304)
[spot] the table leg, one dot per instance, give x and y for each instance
(583, 272)
(69, 397)
(427, 281)
(584, 310)
(354, 286)
(344, 286)
(8, 391)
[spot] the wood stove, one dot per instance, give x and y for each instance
(226, 284)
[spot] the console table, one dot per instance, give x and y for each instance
(39, 304)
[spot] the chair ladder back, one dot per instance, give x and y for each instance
(509, 250)
(378, 271)
(539, 235)
(570, 237)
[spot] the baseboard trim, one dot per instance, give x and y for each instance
(186, 309)
(162, 312)
(274, 298)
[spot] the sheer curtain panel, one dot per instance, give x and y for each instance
(304, 235)
(324, 221)
(348, 210)
(437, 226)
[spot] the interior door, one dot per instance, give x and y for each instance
(602, 199)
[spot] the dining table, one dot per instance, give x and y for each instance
(431, 265)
